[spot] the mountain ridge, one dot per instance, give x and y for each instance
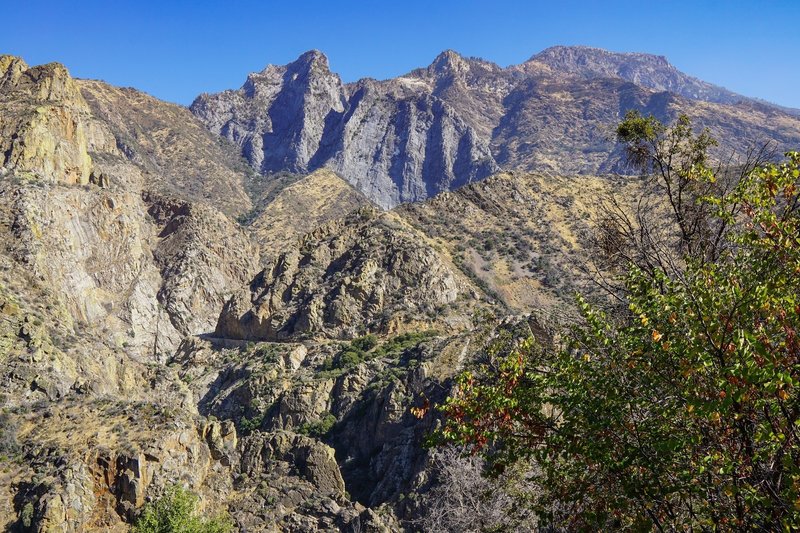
(593, 62)
(461, 119)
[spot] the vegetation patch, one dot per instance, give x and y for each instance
(369, 347)
(319, 428)
(176, 512)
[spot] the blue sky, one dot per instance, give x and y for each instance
(177, 49)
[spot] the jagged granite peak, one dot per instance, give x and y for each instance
(279, 115)
(473, 87)
(302, 69)
(300, 117)
(451, 63)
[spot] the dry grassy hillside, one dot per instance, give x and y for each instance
(525, 238)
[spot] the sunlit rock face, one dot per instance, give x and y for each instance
(43, 122)
(393, 147)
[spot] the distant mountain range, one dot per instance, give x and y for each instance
(462, 119)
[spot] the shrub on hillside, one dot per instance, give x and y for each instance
(176, 512)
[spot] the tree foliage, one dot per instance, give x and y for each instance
(681, 412)
(673, 218)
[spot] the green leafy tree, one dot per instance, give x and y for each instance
(176, 512)
(673, 219)
(682, 412)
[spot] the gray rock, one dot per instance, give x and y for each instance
(315, 460)
(394, 148)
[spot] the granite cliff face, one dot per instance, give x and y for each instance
(460, 119)
(392, 147)
(279, 115)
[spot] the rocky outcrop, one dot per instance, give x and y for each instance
(91, 248)
(139, 268)
(97, 472)
(44, 126)
(69, 502)
(221, 439)
(314, 460)
(347, 277)
(141, 281)
(292, 483)
(202, 256)
(385, 456)
(363, 412)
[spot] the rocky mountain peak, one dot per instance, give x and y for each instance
(574, 57)
(311, 69)
(646, 70)
(310, 66)
(300, 117)
(278, 117)
(50, 82)
(458, 120)
(44, 130)
(449, 62)
(11, 68)
(7, 59)
(311, 59)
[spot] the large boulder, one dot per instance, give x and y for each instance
(314, 460)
